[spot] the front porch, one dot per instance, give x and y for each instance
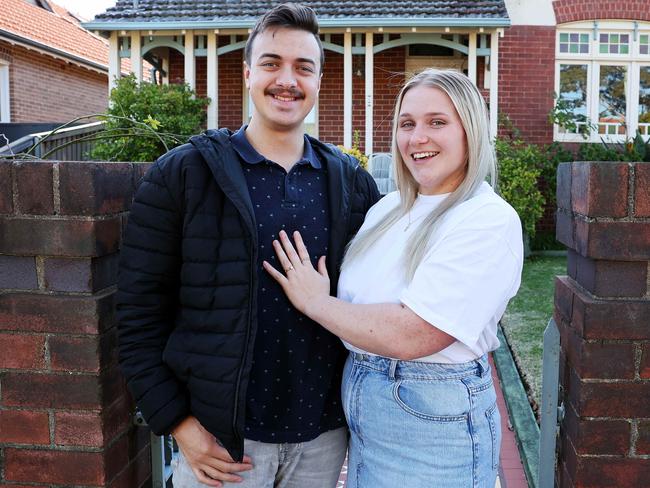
(364, 69)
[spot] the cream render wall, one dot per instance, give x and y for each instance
(531, 12)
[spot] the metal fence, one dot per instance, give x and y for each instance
(69, 144)
(164, 451)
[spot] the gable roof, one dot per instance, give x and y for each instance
(242, 13)
(56, 32)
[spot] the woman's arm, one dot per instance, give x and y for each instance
(386, 329)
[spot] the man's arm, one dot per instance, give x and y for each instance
(146, 307)
(146, 300)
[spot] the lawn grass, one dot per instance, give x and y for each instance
(527, 316)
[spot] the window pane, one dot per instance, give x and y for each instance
(644, 44)
(574, 42)
(612, 101)
(644, 100)
(614, 44)
(573, 93)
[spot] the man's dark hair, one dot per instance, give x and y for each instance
(290, 16)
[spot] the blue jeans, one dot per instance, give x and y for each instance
(420, 425)
(312, 464)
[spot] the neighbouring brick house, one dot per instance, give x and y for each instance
(51, 69)
(593, 53)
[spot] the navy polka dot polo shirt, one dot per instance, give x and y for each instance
(294, 389)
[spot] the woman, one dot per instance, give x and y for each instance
(422, 287)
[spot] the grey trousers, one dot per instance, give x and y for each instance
(313, 464)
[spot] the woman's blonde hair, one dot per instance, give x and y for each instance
(480, 160)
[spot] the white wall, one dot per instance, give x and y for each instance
(530, 12)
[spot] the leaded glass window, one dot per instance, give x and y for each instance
(644, 44)
(611, 43)
(574, 43)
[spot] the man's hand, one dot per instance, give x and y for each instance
(210, 463)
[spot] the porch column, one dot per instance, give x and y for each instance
(136, 55)
(213, 77)
(471, 57)
(190, 66)
(165, 67)
(494, 82)
(113, 60)
(347, 88)
(370, 63)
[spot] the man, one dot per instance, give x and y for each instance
(212, 350)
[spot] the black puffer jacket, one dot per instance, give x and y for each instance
(187, 291)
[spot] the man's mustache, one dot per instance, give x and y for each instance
(286, 92)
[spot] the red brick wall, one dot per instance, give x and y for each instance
(603, 310)
(330, 104)
(176, 66)
(231, 89)
(388, 77)
(44, 89)
(201, 76)
(526, 80)
(575, 10)
(231, 85)
(65, 414)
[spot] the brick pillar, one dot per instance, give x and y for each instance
(65, 416)
(603, 312)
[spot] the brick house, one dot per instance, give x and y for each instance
(51, 69)
(368, 47)
(593, 53)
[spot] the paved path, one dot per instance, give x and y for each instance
(511, 471)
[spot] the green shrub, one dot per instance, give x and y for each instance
(355, 151)
(519, 173)
(636, 149)
(552, 155)
(146, 120)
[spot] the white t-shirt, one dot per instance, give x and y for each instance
(463, 284)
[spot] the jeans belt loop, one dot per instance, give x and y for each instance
(391, 368)
(483, 366)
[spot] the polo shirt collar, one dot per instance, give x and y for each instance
(249, 155)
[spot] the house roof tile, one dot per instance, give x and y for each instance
(202, 10)
(58, 29)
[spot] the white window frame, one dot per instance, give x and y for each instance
(632, 61)
(636, 100)
(5, 109)
(568, 136)
(632, 46)
(595, 89)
